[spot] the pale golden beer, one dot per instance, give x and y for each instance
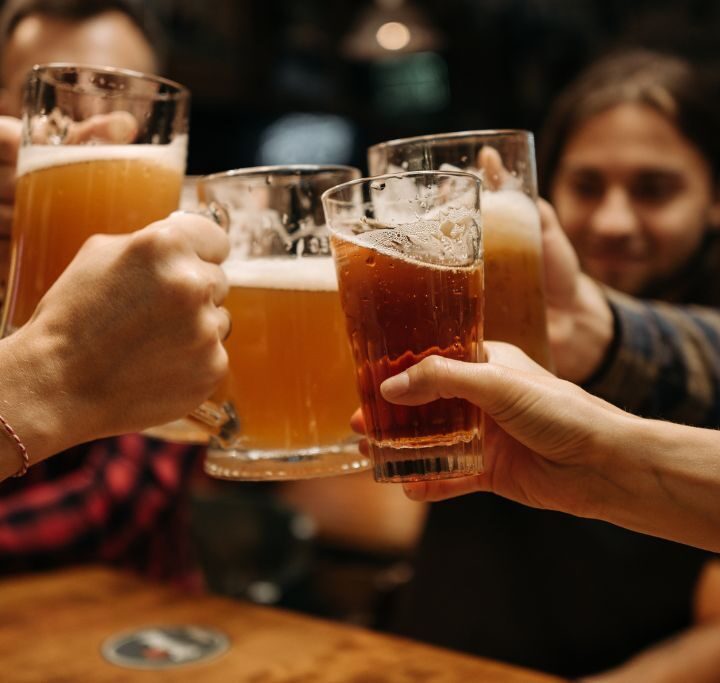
(291, 372)
(291, 383)
(515, 300)
(102, 151)
(65, 194)
(291, 380)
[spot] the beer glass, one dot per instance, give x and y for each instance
(408, 253)
(291, 377)
(102, 151)
(505, 159)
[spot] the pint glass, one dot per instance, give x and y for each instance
(505, 159)
(102, 150)
(408, 253)
(291, 377)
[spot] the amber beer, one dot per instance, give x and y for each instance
(514, 280)
(291, 378)
(515, 302)
(67, 193)
(399, 311)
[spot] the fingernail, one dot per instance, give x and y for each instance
(395, 387)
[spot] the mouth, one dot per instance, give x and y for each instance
(615, 258)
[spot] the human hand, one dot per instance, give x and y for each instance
(544, 437)
(130, 334)
(580, 324)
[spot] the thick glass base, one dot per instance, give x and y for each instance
(445, 461)
(254, 465)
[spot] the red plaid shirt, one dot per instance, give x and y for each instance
(117, 501)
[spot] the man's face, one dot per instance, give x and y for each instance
(634, 196)
(107, 39)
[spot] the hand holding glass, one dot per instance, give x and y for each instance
(408, 253)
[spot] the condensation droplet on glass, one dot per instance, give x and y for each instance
(370, 261)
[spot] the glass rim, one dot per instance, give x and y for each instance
(327, 195)
(43, 70)
(457, 135)
(282, 170)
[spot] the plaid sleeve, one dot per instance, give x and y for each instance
(666, 362)
(116, 505)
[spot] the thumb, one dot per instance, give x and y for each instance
(117, 127)
(494, 388)
(495, 175)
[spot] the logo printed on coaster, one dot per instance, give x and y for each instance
(164, 647)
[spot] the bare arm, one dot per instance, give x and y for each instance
(549, 444)
(129, 336)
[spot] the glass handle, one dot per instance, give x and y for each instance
(219, 420)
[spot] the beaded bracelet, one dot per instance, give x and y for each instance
(20, 446)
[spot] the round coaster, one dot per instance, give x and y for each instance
(164, 647)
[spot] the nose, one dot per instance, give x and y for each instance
(615, 216)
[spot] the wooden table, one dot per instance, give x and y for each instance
(52, 627)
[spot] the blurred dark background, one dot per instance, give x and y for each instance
(309, 80)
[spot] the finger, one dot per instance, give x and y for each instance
(205, 237)
(548, 218)
(219, 282)
(10, 130)
(117, 127)
(357, 422)
(431, 491)
(490, 386)
(225, 324)
(495, 175)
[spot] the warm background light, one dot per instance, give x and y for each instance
(393, 35)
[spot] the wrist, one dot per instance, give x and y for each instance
(33, 398)
(661, 479)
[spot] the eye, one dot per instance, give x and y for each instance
(655, 188)
(587, 186)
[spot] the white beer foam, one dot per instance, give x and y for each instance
(37, 157)
(446, 244)
(511, 211)
(311, 274)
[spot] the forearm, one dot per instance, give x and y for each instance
(666, 363)
(661, 479)
(692, 656)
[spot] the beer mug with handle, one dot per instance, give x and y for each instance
(505, 160)
(102, 151)
(291, 380)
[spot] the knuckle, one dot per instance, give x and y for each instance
(157, 240)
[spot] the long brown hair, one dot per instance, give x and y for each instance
(685, 95)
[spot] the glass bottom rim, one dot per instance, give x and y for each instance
(248, 464)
